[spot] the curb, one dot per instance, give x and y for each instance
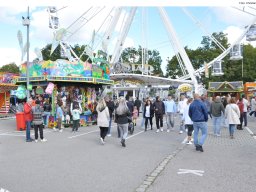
(156, 172)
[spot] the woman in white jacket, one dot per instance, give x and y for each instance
(232, 114)
(102, 119)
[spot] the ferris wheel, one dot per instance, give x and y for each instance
(104, 33)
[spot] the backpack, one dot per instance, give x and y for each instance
(37, 115)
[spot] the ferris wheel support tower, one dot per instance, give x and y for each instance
(173, 38)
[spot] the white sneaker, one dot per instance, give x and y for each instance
(36, 140)
(162, 129)
(109, 135)
(102, 141)
(189, 143)
(43, 140)
(157, 130)
(180, 132)
(168, 130)
(54, 129)
(60, 130)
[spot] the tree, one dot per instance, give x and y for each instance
(10, 68)
(78, 50)
(133, 55)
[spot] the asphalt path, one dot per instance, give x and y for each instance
(78, 162)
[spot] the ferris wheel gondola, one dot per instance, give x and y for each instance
(236, 52)
(251, 34)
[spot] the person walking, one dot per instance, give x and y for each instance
(47, 112)
(122, 113)
(246, 105)
(59, 115)
(148, 114)
(103, 119)
(253, 107)
(181, 106)
(159, 110)
(135, 115)
(232, 113)
(28, 118)
(76, 110)
(142, 109)
(111, 107)
(188, 122)
(240, 105)
(217, 109)
(199, 115)
(137, 103)
(170, 109)
(37, 112)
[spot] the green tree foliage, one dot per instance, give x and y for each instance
(133, 55)
(209, 51)
(10, 68)
(56, 54)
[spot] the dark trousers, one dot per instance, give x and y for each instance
(252, 113)
(241, 119)
(40, 128)
(103, 132)
(146, 122)
(75, 125)
(159, 118)
(245, 118)
(190, 129)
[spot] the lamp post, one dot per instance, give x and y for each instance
(26, 22)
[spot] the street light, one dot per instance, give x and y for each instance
(26, 22)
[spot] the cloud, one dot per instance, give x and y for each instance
(232, 16)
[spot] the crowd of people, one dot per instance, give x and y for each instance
(192, 116)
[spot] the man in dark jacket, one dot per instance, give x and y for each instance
(137, 103)
(159, 109)
(111, 108)
(199, 115)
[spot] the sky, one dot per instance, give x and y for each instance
(190, 22)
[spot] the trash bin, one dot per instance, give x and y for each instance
(20, 121)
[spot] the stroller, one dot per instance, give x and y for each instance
(130, 125)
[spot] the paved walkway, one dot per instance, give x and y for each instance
(226, 165)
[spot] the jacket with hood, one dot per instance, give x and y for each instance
(216, 108)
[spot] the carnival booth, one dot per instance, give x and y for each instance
(250, 89)
(6, 85)
(65, 81)
(234, 88)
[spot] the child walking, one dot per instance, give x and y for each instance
(135, 115)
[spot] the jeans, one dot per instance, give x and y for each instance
(109, 127)
(170, 119)
(123, 128)
(28, 127)
(150, 121)
(46, 118)
(142, 122)
(232, 129)
(182, 126)
(216, 124)
(40, 128)
(245, 119)
(200, 126)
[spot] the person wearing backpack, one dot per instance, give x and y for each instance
(37, 113)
